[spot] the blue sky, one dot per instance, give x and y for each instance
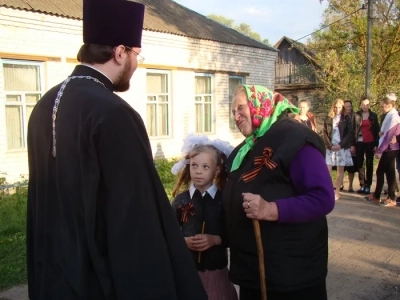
(272, 19)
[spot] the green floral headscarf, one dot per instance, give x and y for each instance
(265, 108)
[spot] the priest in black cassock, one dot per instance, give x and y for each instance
(99, 224)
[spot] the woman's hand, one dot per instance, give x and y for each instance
(202, 242)
(257, 208)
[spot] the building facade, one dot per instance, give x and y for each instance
(184, 85)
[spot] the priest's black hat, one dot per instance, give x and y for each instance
(113, 22)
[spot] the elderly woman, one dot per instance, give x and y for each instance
(272, 180)
(387, 151)
(305, 117)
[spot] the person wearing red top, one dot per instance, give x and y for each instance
(367, 141)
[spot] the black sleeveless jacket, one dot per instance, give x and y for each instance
(295, 254)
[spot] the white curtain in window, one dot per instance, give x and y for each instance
(14, 125)
(156, 83)
(203, 85)
(163, 119)
(233, 82)
(151, 117)
(207, 118)
(158, 113)
(21, 77)
(32, 98)
(199, 118)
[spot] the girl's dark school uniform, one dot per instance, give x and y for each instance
(192, 209)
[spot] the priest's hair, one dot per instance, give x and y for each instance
(95, 54)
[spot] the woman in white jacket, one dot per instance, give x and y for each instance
(387, 151)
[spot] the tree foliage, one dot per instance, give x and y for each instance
(242, 28)
(341, 49)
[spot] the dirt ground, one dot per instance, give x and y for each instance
(364, 252)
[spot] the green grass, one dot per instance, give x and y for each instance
(12, 238)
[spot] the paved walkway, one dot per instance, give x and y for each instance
(364, 252)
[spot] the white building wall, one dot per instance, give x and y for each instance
(35, 34)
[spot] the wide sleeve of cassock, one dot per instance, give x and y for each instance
(147, 253)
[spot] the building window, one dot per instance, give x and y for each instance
(22, 89)
(204, 104)
(233, 82)
(158, 104)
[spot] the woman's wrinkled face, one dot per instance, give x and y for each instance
(241, 113)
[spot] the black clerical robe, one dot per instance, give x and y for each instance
(99, 224)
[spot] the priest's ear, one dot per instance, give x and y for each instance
(120, 54)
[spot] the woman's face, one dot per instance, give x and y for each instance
(303, 107)
(348, 107)
(365, 105)
(338, 108)
(386, 107)
(241, 113)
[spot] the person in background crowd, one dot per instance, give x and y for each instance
(337, 135)
(367, 141)
(386, 152)
(355, 121)
(305, 117)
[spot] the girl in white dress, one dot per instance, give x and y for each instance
(337, 137)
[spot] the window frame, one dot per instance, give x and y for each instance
(232, 125)
(203, 102)
(24, 104)
(157, 102)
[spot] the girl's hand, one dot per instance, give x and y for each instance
(377, 155)
(380, 134)
(202, 242)
(189, 242)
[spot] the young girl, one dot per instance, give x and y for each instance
(199, 212)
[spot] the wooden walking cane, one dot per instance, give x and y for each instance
(202, 232)
(260, 251)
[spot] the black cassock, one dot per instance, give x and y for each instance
(99, 223)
